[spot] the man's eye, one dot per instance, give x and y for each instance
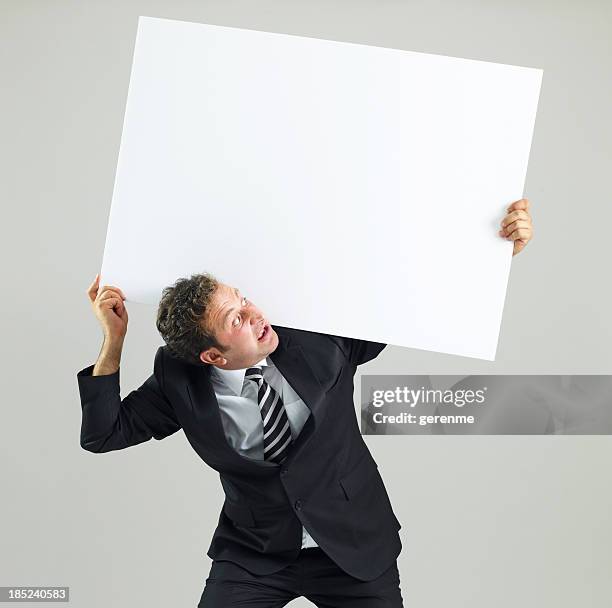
(236, 321)
(244, 301)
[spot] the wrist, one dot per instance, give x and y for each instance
(110, 357)
(112, 344)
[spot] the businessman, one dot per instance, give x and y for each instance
(271, 409)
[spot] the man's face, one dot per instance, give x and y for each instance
(237, 325)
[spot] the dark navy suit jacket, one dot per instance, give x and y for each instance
(329, 482)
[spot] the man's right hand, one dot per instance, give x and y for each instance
(107, 304)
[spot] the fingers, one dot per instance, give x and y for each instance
(108, 294)
(95, 293)
(514, 216)
(112, 288)
(517, 226)
(520, 204)
(517, 230)
(122, 312)
(110, 300)
(520, 233)
(508, 230)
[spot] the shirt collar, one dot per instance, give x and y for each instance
(234, 378)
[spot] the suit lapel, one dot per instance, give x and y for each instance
(205, 408)
(290, 360)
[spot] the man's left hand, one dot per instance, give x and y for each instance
(517, 226)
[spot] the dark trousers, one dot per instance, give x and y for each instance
(312, 575)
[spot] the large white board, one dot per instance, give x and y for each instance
(344, 188)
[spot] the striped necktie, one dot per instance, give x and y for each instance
(277, 432)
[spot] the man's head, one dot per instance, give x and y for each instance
(204, 321)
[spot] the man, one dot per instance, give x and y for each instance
(306, 512)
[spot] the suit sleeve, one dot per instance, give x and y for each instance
(110, 423)
(359, 351)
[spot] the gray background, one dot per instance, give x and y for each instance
(501, 521)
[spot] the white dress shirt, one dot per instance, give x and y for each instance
(241, 417)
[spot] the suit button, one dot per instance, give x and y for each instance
(284, 472)
(298, 504)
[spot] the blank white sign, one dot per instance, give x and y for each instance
(347, 189)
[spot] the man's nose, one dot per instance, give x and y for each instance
(256, 315)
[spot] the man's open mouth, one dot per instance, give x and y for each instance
(264, 332)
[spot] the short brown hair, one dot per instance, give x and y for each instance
(181, 317)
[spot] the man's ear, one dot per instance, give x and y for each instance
(213, 356)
